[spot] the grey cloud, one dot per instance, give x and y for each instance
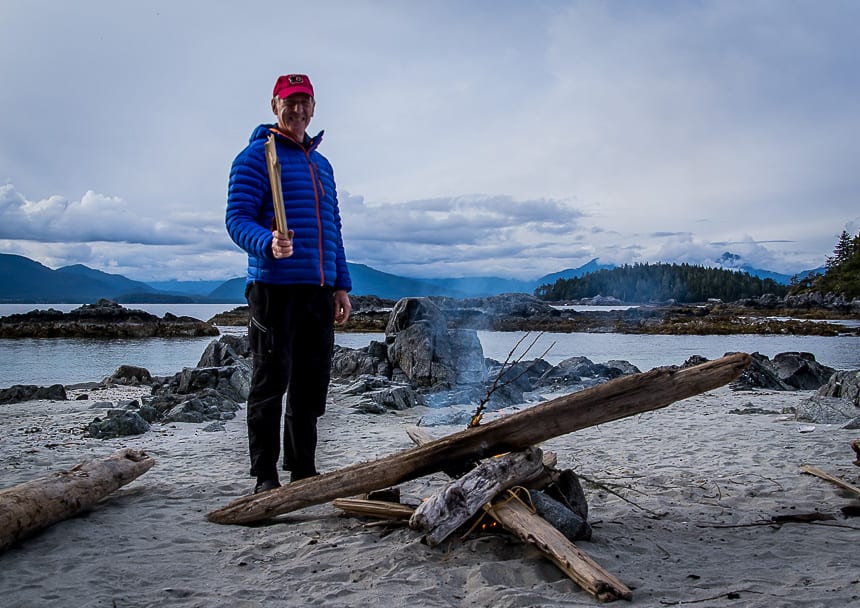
(95, 217)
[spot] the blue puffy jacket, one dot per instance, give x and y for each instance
(310, 203)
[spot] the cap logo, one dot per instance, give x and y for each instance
(296, 79)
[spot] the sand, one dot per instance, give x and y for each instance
(682, 515)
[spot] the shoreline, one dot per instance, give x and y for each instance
(683, 514)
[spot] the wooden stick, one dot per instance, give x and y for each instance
(827, 476)
(514, 516)
(624, 396)
(374, 508)
(453, 505)
(274, 166)
(36, 504)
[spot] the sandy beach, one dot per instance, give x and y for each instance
(682, 507)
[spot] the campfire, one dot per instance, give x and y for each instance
(486, 486)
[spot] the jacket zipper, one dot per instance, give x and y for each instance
(319, 219)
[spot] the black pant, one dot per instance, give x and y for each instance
(292, 336)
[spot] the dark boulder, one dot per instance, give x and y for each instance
(130, 375)
(118, 423)
(760, 374)
(563, 519)
(29, 392)
(844, 384)
(801, 370)
(227, 350)
(428, 354)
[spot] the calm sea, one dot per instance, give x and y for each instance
(69, 361)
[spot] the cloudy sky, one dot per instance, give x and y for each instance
(486, 137)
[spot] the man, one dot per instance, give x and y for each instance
(296, 286)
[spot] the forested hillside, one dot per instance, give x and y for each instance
(661, 282)
(842, 271)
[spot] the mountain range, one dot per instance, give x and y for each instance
(23, 280)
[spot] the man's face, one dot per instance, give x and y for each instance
(294, 114)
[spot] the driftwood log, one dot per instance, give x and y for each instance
(828, 477)
(613, 400)
(458, 501)
(516, 517)
(36, 504)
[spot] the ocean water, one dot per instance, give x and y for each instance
(69, 361)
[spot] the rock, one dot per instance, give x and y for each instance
(845, 384)
(568, 491)
(227, 350)
(760, 374)
(801, 371)
(119, 423)
(826, 410)
(148, 413)
(30, 392)
(130, 375)
(104, 319)
(851, 426)
(430, 356)
(192, 410)
(563, 519)
(232, 381)
(397, 398)
(349, 362)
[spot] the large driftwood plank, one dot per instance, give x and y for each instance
(37, 504)
(534, 529)
(615, 399)
(453, 505)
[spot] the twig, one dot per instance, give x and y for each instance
(731, 595)
(603, 486)
(507, 365)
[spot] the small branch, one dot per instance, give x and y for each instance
(479, 411)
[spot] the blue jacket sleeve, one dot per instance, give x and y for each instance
(247, 196)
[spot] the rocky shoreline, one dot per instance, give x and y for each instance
(423, 361)
(803, 316)
(104, 319)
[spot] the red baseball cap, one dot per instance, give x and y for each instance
(290, 84)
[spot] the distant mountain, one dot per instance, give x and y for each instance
(116, 283)
(733, 261)
(187, 288)
(365, 281)
(572, 273)
(369, 281)
(24, 280)
(231, 291)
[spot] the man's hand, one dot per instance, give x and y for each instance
(342, 307)
(282, 246)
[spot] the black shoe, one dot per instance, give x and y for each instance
(266, 485)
